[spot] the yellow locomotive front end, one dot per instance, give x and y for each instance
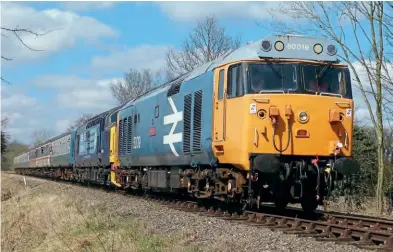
(285, 123)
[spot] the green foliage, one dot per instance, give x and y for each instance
(365, 152)
(3, 143)
(363, 184)
(4, 147)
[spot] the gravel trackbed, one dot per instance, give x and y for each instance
(206, 233)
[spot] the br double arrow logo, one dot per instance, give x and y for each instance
(174, 118)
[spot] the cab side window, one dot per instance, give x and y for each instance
(235, 81)
(114, 117)
(221, 84)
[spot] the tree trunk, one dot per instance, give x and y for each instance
(378, 53)
(381, 170)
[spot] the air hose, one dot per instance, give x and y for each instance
(289, 138)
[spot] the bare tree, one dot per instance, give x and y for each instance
(41, 136)
(134, 84)
(16, 32)
(205, 43)
(370, 24)
(79, 121)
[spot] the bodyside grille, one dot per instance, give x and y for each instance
(121, 137)
(187, 123)
(129, 133)
(197, 122)
(125, 134)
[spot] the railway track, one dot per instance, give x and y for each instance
(366, 233)
(361, 231)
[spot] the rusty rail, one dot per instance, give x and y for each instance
(364, 233)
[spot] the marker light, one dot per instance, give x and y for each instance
(279, 46)
(331, 50)
(303, 117)
(266, 45)
(318, 48)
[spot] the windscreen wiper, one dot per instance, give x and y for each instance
(322, 72)
(271, 66)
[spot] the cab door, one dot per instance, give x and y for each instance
(219, 105)
(230, 119)
(113, 142)
(113, 150)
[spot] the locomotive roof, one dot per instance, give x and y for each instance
(48, 141)
(100, 115)
(295, 47)
(69, 132)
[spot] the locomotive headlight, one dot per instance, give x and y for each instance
(318, 48)
(303, 117)
(279, 46)
(266, 45)
(331, 50)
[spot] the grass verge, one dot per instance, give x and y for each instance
(39, 217)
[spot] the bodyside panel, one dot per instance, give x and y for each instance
(60, 155)
(72, 147)
(88, 146)
(165, 131)
(21, 161)
(105, 146)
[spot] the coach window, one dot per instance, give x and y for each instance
(221, 84)
(235, 81)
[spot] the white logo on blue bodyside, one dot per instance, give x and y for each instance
(174, 118)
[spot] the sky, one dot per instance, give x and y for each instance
(92, 44)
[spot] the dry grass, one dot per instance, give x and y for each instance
(38, 217)
(368, 207)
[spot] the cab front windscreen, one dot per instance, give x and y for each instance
(298, 78)
(325, 79)
(271, 77)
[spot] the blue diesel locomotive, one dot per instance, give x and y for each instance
(243, 128)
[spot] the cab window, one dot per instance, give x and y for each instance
(114, 117)
(271, 77)
(322, 79)
(221, 84)
(235, 81)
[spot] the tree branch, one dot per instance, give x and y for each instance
(205, 43)
(17, 31)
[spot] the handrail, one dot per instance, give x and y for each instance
(330, 94)
(267, 100)
(271, 91)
